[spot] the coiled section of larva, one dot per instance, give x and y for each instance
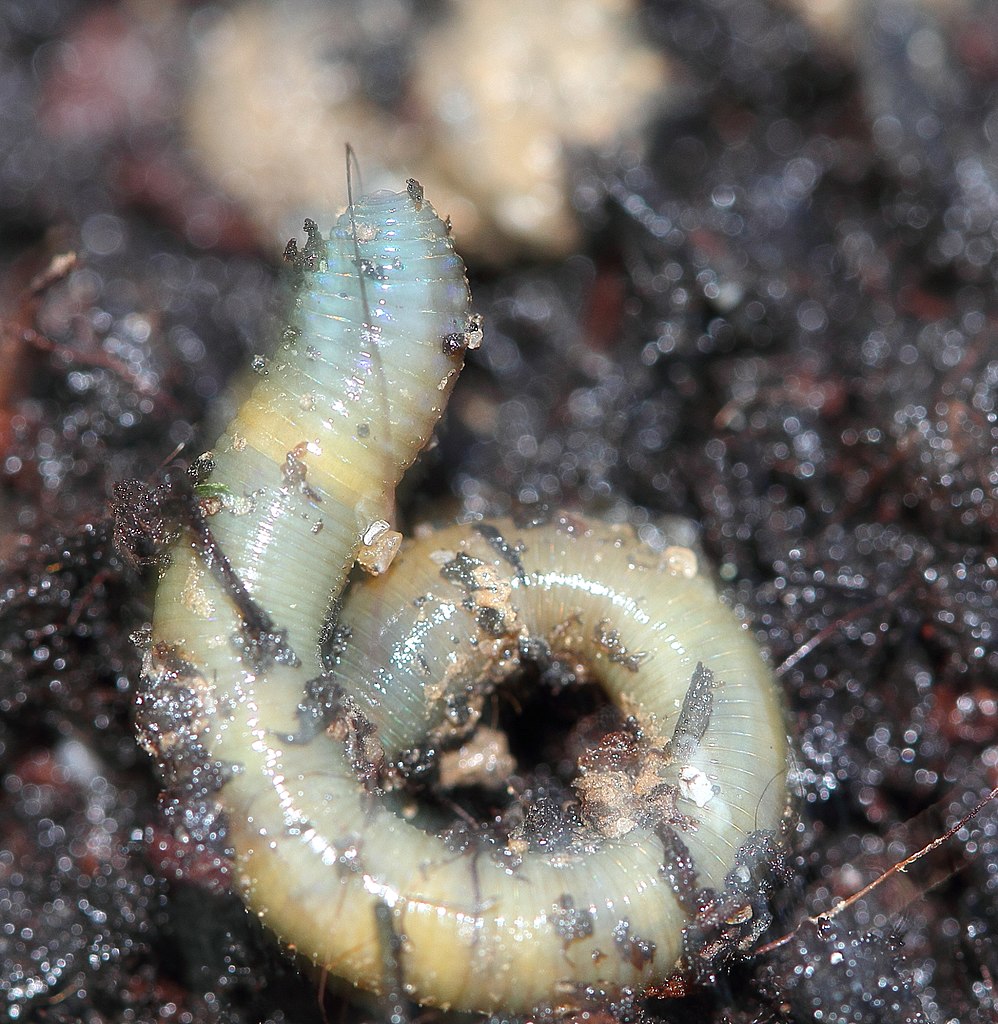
(426, 646)
(433, 639)
(309, 463)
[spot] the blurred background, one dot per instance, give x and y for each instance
(736, 261)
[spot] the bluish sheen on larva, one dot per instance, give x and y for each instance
(301, 476)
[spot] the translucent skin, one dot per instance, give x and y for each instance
(324, 438)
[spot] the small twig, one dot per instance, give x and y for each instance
(58, 269)
(818, 920)
(81, 603)
(322, 992)
(834, 627)
(100, 359)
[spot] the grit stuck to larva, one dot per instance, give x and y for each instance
(302, 487)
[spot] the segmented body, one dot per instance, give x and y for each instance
(300, 477)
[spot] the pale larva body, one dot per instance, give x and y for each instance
(309, 464)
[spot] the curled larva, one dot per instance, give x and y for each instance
(664, 803)
(302, 485)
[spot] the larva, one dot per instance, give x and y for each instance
(302, 485)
